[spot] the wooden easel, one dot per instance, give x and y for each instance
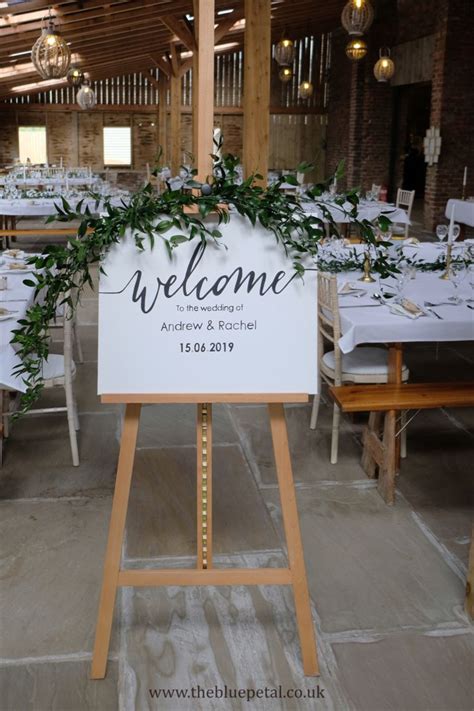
(204, 573)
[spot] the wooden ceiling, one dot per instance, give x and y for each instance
(124, 36)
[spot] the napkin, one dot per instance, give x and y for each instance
(407, 308)
(411, 242)
(349, 287)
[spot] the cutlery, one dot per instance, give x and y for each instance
(470, 307)
(431, 311)
(358, 306)
(440, 303)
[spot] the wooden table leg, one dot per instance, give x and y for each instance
(395, 365)
(293, 539)
(115, 540)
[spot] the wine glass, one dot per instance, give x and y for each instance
(470, 278)
(458, 273)
(441, 232)
(407, 272)
(456, 232)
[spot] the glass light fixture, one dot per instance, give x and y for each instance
(305, 90)
(285, 74)
(85, 97)
(357, 16)
(356, 49)
(50, 53)
(285, 52)
(384, 68)
(75, 76)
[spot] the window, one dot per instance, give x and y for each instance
(32, 144)
(117, 146)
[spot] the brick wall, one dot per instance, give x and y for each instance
(361, 111)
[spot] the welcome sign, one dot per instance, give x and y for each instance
(227, 318)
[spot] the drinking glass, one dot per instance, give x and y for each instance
(441, 232)
(456, 232)
(458, 272)
(470, 276)
(407, 272)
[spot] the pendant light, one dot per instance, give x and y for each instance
(305, 90)
(285, 74)
(86, 97)
(50, 53)
(285, 52)
(75, 76)
(384, 68)
(356, 49)
(357, 16)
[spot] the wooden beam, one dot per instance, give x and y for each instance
(175, 124)
(204, 88)
(256, 102)
(186, 66)
(163, 119)
(175, 60)
(162, 63)
(180, 30)
(224, 27)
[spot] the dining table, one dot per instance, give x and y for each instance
(463, 211)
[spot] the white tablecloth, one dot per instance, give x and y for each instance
(43, 207)
(368, 210)
(375, 324)
(17, 297)
(463, 211)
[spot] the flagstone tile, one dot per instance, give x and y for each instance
(51, 576)
(408, 671)
(57, 686)
(310, 449)
(37, 458)
(436, 479)
(175, 425)
(228, 637)
(369, 565)
(162, 514)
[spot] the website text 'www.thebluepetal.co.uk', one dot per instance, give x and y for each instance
(249, 695)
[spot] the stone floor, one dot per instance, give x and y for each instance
(387, 583)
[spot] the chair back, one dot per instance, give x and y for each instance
(405, 199)
(68, 322)
(329, 323)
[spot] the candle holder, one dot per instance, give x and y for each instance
(463, 194)
(367, 276)
(448, 273)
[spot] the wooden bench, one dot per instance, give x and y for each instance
(381, 451)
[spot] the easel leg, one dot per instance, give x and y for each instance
(204, 486)
(114, 543)
(293, 539)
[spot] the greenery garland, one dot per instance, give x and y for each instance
(64, 270)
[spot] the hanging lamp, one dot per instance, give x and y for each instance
(305, 90)
(75, 76)
(357, 16)
(50, 54)
(85, 97)
(356, 49)
(284, 52)
(384, 68)
(285, 74)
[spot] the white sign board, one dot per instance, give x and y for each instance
(207, 320)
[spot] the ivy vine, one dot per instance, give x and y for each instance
(175, 216)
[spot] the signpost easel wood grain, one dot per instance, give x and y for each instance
(205, 573)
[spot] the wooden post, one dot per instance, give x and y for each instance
(257, 59)
(203, 87)
(163, 118)
(175, 123)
